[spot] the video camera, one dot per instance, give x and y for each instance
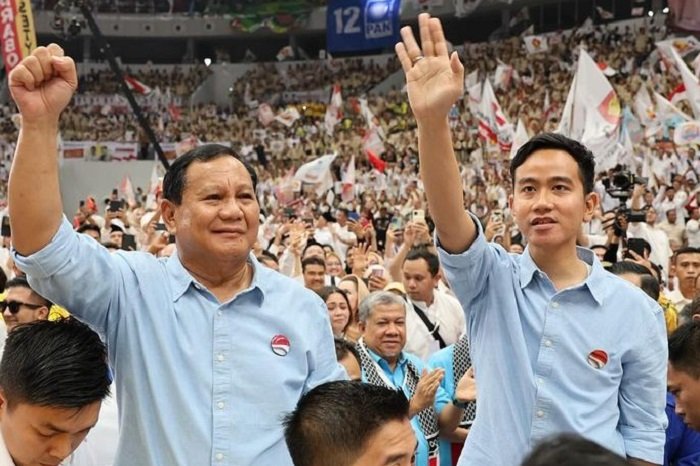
(620, 184)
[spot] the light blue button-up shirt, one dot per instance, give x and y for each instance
(198, 382)
(398, 378)
(531, 345)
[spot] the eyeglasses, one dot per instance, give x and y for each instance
(14, 306)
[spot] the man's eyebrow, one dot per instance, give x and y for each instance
(553, 179)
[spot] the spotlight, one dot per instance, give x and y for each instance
(650, 13)
(207, 61)
(665, 10)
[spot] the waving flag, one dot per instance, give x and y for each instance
(334, 111)
(317, 173)
(592, 111)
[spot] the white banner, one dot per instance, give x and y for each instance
(687, 133)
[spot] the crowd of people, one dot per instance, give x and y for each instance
(383, 278)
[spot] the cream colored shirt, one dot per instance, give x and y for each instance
(446, 313)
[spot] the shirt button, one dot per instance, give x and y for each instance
(219, 357)
(219, 456)
(219, 313)
(220, 405)
(540, 413)
(548, 343)
(555, 304)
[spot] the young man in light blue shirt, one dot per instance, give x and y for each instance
(210, 348)
(558, 344)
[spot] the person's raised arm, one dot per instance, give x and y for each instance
(41, 86)
(434, 82)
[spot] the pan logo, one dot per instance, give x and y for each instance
(379, 21)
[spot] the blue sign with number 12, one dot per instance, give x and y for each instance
(356, 25)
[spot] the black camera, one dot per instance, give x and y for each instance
(621, 182)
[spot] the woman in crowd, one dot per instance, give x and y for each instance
(338, 309)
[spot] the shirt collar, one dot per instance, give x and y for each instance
(379, 360)
(5, 458)
(594, 282)
(181, 279)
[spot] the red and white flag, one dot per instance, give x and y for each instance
(288, 116)
(536, 44)
(592, 111)
(137, 86)
(334, 111)
(318, 173)
(126, 189)
(606, 69)
(348, 181)
(644, 107)
(503, 76)
(692, 86)
(493, 125)
(677, 94)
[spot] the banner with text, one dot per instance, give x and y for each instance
(354, 25)
(18, 34)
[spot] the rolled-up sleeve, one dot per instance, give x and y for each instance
(468, 272)
(75, 271)
(642, 396)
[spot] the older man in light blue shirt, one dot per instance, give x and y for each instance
(210, 349)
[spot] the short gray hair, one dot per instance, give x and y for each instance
(378, 298)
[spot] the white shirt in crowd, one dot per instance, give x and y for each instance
(658, 239)
(677, 298)
(692, 233)
(446, 313)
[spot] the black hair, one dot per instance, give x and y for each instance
(326, 291)
(685, 250)
(572, 450)
(61, 364)
(265, 254)
(343, 348)
(175, 178)
(651, 286)
(424, 253)
(581, 154)
(20, 281)
(312, 260)
(333, 422)
(625, 266)
(3, 280)
(88, 227)
(684, 349)
(690, 310)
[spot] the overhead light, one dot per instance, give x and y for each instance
(665, 10)
(207, 61)
(650, 13)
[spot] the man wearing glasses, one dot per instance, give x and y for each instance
(22, 304)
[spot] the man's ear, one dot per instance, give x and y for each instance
(3, 403)
(362, 326)
(167, 214)
(43, 313)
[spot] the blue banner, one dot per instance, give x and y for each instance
(356, 25)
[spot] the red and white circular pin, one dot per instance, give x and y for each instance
(280, 345)
(597, 358)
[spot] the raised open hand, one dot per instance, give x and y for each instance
(43, 84)
(434, 79)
